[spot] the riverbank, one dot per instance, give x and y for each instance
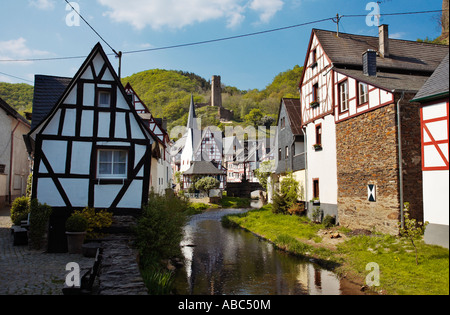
(349, 252)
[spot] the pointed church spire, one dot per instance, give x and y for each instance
(192, 119)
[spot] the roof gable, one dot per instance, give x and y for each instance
(96, 68)
(347, 49)
(437, 85)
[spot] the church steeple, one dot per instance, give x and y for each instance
(192, 119)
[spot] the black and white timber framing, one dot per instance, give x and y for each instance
(92, 149)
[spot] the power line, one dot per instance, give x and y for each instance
(13, 76)
(215, 40)
(91, 27)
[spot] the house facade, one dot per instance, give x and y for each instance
(355, 94)
(161, 175)
(14, 162)
(195, 147)
(289, 150)
(91, 149)
(434, 126)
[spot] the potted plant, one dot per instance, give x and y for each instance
(76, 227)
(317, 147)
(314, 104)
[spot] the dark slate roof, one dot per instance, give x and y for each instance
(437, 85)
(203, 168)
(388, 80)
(293, 109)
(47, 92)
(347, 49)
(11, 111)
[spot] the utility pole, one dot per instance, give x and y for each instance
(337, 20)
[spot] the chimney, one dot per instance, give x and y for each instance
(383, 34)
(370, 63)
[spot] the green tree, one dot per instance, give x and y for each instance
(206, 184)
(254, 117)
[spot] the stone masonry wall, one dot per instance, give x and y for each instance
(367, 153)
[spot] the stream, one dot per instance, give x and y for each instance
(231, 261)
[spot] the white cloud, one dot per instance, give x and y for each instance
(43, 4)
(177, 14)
(266, 8)
(16, 49)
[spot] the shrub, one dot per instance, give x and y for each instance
(76, 223)
(280, 205)
(289, 187)
(317, 214)
(20, 209)
(297, 209)
(329, 221)
(39, 218)
(96, 220)
(160, 228)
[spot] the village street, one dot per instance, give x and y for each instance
(27, 272)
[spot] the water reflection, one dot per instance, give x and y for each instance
(222, 261)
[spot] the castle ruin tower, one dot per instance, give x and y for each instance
(216, 92)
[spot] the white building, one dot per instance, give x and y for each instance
(91, 148)
(434, 97)
(14, 163)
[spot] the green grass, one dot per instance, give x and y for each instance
(395, 256)
(399, 273)
(234, 202)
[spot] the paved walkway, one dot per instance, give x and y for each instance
(27, 272)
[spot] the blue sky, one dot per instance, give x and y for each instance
(38, 29)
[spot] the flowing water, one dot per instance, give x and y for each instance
(231, 261)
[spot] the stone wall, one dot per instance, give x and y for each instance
(367, 154)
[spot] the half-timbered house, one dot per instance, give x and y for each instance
(161, 169)
(434, 125)
(91, 148)
(363, 148)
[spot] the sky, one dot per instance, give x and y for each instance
(33, 29)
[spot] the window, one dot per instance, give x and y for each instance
(319, 134)
(283, 122)
(286, 151)
(315, 91)
(104, 99)
(316, 188)
(343, 96)
(363, 93)
(314, 58)
(112, 163)
(279, 154)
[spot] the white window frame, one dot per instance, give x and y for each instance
(104, 105)
(363, 91)
(112, 175)
(343, 96)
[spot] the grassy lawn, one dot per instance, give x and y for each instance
(395, 256)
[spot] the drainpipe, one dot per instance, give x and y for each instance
(305, 146)
(11, 161)
(400, 159)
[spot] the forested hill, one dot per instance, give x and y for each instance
(18, 96)
(167, 94)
